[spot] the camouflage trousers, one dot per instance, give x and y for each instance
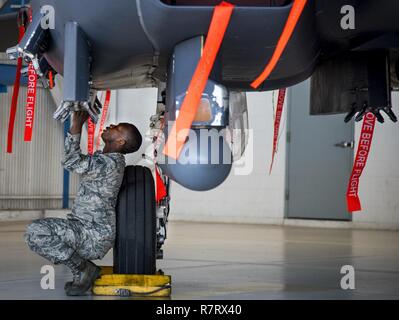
(58, 240)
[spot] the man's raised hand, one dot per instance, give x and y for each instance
(78, 119)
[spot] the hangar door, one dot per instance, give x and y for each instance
(319, 160)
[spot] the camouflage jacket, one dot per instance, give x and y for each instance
(100, 179)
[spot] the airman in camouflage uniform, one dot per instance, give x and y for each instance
(89, 230)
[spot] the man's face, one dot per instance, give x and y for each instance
(112, 133)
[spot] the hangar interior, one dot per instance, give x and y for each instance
(239, 241)
(284, 234)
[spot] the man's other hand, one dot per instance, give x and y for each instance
(78, 119)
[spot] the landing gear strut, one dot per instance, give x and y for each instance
(378, 90)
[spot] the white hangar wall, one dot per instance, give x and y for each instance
(31, 178)
(379, 186)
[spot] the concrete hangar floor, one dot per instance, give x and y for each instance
(235, 261)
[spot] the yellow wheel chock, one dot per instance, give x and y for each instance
(132, 285)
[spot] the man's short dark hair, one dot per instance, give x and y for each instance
(133, 138)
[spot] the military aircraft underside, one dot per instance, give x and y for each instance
(203, 56)
(98, 45)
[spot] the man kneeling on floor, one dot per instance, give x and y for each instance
(89, 231)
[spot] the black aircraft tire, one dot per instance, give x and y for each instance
(135, 243)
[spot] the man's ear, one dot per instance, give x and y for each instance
(121, 142)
